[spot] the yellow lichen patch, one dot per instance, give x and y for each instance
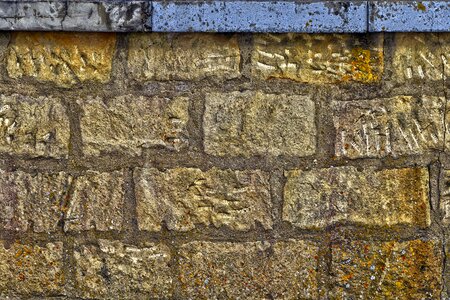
(365, 65)
(421, 6)
(62, 58)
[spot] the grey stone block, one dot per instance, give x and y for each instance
(75, 15)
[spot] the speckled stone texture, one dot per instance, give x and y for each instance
(31, 269)
(391, 270)
(257, 270)
(112, 269)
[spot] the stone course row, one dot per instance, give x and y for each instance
(184, 198)
(254, 270)
(319, 16)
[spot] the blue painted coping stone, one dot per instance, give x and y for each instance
(311, 16)
(260, 16)
(409, 16)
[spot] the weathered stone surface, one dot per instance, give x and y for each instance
(444, 201)
(73, 16)
(253, 123)
(40, 201)
(115, 270)
(31, 269)
(186, 197)
(159, 56)
(253, 270)
(396, 126)
(32, 201)
(62, 58)
(33, 126)
(421, 56)
(129, 123)
(318, 58)
(321, 197)
(386, 270)
(96, 202)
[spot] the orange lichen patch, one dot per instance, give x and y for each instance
(366, 65)
(388, 270)
(60, 57)
(31, 268)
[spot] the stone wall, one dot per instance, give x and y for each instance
(217, 166)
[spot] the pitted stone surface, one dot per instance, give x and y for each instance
(112, 270)
(401, 125)
(259, 16)
(32, 201)
(252, 270)
(34, 126)
(409, 16)
(253, 123)
(96, 202)
(185, 197)
(127, 124)
(386, 270)
(318, 58)
(62, 58)
(321, 197)
(183, 56)
(31, 269)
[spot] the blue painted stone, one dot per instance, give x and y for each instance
(409, 16)
(260, 16)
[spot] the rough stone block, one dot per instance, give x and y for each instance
(396, 126)
(96, 202)
(253, 123)
(126, 124)
(33, 126)
(421, 56)
(322, 197)
(444, 201)
(112, 269)
(318, 58)
(185, 197)
(159, 56)
(64, 58)
(39, 202)
(252, 270)
(386, 270)
(31, 269)
(32, 201)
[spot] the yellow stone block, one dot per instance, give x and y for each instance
(318, 58)
(61, 57)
